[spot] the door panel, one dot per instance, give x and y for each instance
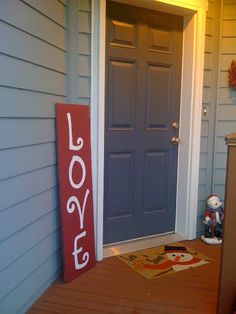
(120, 196)
(160, 40)
(158, 91)
(122, 34)
(154, 194)
(143, 75)
(122, 94)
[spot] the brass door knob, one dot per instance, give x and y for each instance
(175, 140)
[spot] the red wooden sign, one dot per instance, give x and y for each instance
(75, 189)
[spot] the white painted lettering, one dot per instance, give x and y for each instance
(77, 181)
(74, 202)
(82, 164)
(85, 257)
(80, 141)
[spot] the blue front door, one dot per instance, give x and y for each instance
(143, 81)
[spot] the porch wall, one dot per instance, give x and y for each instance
(84, 51)
(226, 102)
(32, 79)
(34, 64)
(209, 103)
(218, 98)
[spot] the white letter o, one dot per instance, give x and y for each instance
(81, 162)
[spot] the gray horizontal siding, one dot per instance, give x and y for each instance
(19, 188)
(29, 236)
(26, 159)
(32, 80)
(209, 103)
(52, 9)
(17, 271)
(222, 109)
(36, 78)
(19, 48)
(22, 16)
(43, 276)
(17, 103)
(84, 51)
(226, 105)
(27, 212)
(32, 131)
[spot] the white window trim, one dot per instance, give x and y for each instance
(194, 12)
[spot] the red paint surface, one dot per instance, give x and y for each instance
(75, 189)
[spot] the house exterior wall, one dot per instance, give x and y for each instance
(208, 104)
(226, 102)
(32, 80)
(79, 51)
(219, 99)
(84, 51)
(34, 58)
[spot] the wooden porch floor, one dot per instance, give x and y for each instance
(112, 287)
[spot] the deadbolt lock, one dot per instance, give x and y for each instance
(175, 140)
(175, 125)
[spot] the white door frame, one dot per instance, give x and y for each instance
(194, 12)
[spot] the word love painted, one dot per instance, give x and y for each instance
(73, 201)
(75, 189)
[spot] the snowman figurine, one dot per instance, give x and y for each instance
(213, 219)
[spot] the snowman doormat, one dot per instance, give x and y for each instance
(164, 260)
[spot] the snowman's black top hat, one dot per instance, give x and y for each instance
(178, 249)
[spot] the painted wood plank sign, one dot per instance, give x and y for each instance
(75, 189)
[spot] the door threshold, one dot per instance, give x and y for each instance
(140, 244)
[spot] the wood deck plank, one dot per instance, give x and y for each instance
(112, 287)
